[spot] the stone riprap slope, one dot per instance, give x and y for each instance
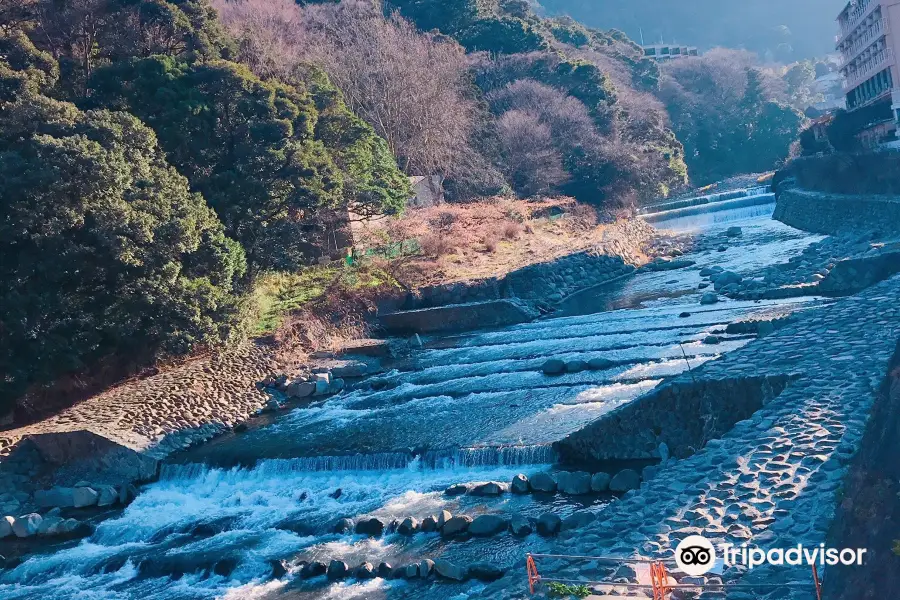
(835, 213)
(774, 480)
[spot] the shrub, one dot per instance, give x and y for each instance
(436, 245)
(511, 230)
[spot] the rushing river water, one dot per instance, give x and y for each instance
(467, 408)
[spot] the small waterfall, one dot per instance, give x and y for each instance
(702, 200)
(677, 213)
(451, 458)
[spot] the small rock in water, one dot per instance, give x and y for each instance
(485, 571)
(313, 569)
(448, 570)
(722, 248)
(624, 480)
(519, 484)
(554, 367)
(576, 366)
(576, 484)
(600, 482)
(542, 482)
(279, 569)
(712, 340)
(336, 494)
(520, 526)
(429, 524)
(684, 315)
(338, 569)
(600, 364)
(491, 488)
(408, 526)
(709, 298)
(385, 570)
(548, 524)
(456, 526)
(365, 571)
(456, 490)
(487, 525)
(343, 526)
(371, 527)
(734, 232)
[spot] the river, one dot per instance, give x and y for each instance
(466, 408)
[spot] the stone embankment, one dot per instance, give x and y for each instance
(834, 214)
(776, 478)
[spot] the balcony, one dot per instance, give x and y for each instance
(867, 69)
(863, 9)
(880, 28)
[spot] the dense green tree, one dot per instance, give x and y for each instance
(248, 146)
(107, 255)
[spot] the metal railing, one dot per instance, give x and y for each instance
(878, 29)
(867, 69)
(855, 16)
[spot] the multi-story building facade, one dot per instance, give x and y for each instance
(663, 52)
(869, 41)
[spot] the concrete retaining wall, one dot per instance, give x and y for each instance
(834, 213)
(683, 415)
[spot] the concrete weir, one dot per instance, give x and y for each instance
(774, 479)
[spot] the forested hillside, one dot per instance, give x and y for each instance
(778, 30)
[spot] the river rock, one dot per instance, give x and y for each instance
(542, 482)
(27, 525)
(411, 571)
(107, 495)
(408, 526)
(456, 526)
(55, 496)
(322, 387)
(626, 479)
(734, 232)
(709, 298)
(342, 526)
(491, 488)
(456, 490)
(350, 369)
(84, 496)
(338, 569)
(429, 524)
(519, 484)
(600, 482)
(301, 389)
(576, 366)
(336, 385)
(548, 524)
(371, 527)
(554, 367)
(443, 517)
(447, 570)
(520, 526)
(601, 364)
(578, 519)
(279, 568)
(426, 568)
(485, 571)
(385, 570)
(576, 484)
(725, 279)
(50, 524)
(314, 569)
(127, 493)
(712, 340)
(488, 525)
(6, 526)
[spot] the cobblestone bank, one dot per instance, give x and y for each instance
(833, 213)
(774, 480)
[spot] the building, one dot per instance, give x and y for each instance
(868, 42)
(663, 52)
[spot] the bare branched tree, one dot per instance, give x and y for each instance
(530, 159)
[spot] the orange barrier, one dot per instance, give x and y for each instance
(659, 579)
(533, 576)
(816, 581)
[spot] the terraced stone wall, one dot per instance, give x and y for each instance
(831, 214)
(683, 415)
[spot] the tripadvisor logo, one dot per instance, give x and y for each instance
(696, 555)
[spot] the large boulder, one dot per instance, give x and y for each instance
(456, 526)
(709, 298)
(456, 490)
(548, 524)
(342, 526)
(447, 570)
(55, 496)
(542, 482)
(350, 369)
(27, 525)
(443, 517)
(84, 496)
(429, 524)
(488, 525)
(576, 484)
(338, 569)
(491, 488)
(576, 366)
(601, 364)
(411, 571)
(725, 278)
(426, 568)
(372, 527)
(626, 479)
(519, 484)
(485, 571)
(600, 482)
(385, 570)
(301, 389)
